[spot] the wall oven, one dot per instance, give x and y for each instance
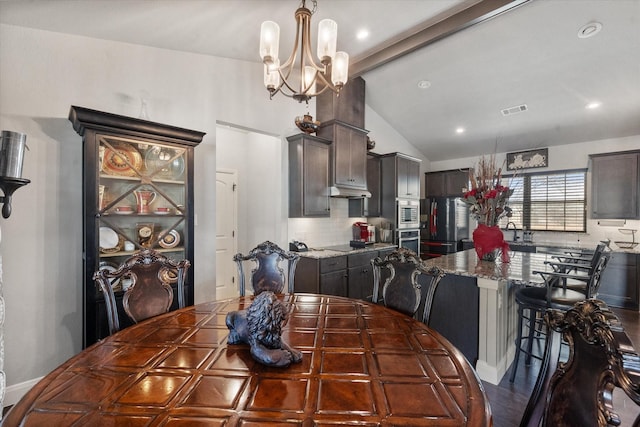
(409, 239)
(408, 214)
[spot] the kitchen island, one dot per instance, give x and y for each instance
(496, 283)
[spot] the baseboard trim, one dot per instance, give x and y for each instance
(15, 392)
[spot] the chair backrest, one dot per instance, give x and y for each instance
(579, 392)
(600, 248)
(596, 274)
(401, 290)
(267, 275)
(149, 276)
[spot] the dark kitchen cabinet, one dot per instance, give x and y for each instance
(369, 206)
(615, 186)
(343, 275)
(308, 176)
(400, 179)
(619, 282)
(408, 178)
(137, 193)
(449, 183)
(360, 275)
(348, 154)
(334, 283)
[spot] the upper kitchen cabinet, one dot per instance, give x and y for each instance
(400, 175)
(451, 183)
(615, 185)
(348, 107)
(137, 193)
(308, 176)
(348, 156)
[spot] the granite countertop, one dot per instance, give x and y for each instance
(551, 245)
(317, 253)
(518, 270)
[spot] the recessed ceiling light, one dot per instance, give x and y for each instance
(460, 129)
(362, 34)
(424, 84)
(589, 30)
(593, 105)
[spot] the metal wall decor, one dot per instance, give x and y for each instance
(538, 158)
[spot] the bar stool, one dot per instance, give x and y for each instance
(534, 301)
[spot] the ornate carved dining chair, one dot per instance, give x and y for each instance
(401, 290)
(579, 392)
(148, 276)
(533, 301)
(267, 274)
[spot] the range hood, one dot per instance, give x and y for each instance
(349, 193)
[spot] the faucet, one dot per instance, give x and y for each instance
(515, 230)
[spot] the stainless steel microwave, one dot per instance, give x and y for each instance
(408, 214)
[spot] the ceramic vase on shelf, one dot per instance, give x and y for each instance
(488, 241)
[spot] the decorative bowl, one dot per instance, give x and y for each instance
(626, 245)
(306, 124)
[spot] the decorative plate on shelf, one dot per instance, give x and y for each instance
(170, 240)
(117, 284)
(110, 241)
(123, 160)
(160, 159)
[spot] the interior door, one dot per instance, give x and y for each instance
(226, 239)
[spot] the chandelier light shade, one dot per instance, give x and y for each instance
(300, 77)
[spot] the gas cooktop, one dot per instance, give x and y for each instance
(347, 248)
(340, 248)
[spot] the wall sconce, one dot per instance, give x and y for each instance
(12, 146)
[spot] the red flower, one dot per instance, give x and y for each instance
(470, 193)
(492, 194)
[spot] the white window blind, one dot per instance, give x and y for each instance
(549, 201)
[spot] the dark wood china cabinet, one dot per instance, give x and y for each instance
(137, 193)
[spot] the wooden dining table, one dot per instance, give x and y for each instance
(363, 364)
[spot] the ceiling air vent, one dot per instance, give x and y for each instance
(514, 110)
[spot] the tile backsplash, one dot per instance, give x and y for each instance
(595, 233)
(318, 232)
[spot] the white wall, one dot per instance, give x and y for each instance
(257, 159)
(388, 140)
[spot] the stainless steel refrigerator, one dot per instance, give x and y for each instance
(446, 224)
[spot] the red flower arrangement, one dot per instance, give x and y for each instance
(487, 200)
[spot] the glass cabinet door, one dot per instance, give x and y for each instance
(141, 199)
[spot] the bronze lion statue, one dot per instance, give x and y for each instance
(260, 326)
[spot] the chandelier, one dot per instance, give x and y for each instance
(309, 79)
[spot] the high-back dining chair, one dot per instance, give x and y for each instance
(267, 274)
(579, 392)
(401, 290)
(149, 276)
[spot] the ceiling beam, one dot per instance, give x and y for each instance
(430, 31)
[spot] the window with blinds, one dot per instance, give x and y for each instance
(549, 201)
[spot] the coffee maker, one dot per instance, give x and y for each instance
(364, 232)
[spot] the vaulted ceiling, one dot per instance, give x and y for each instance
(477, 57)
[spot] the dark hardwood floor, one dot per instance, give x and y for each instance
(508, 400)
